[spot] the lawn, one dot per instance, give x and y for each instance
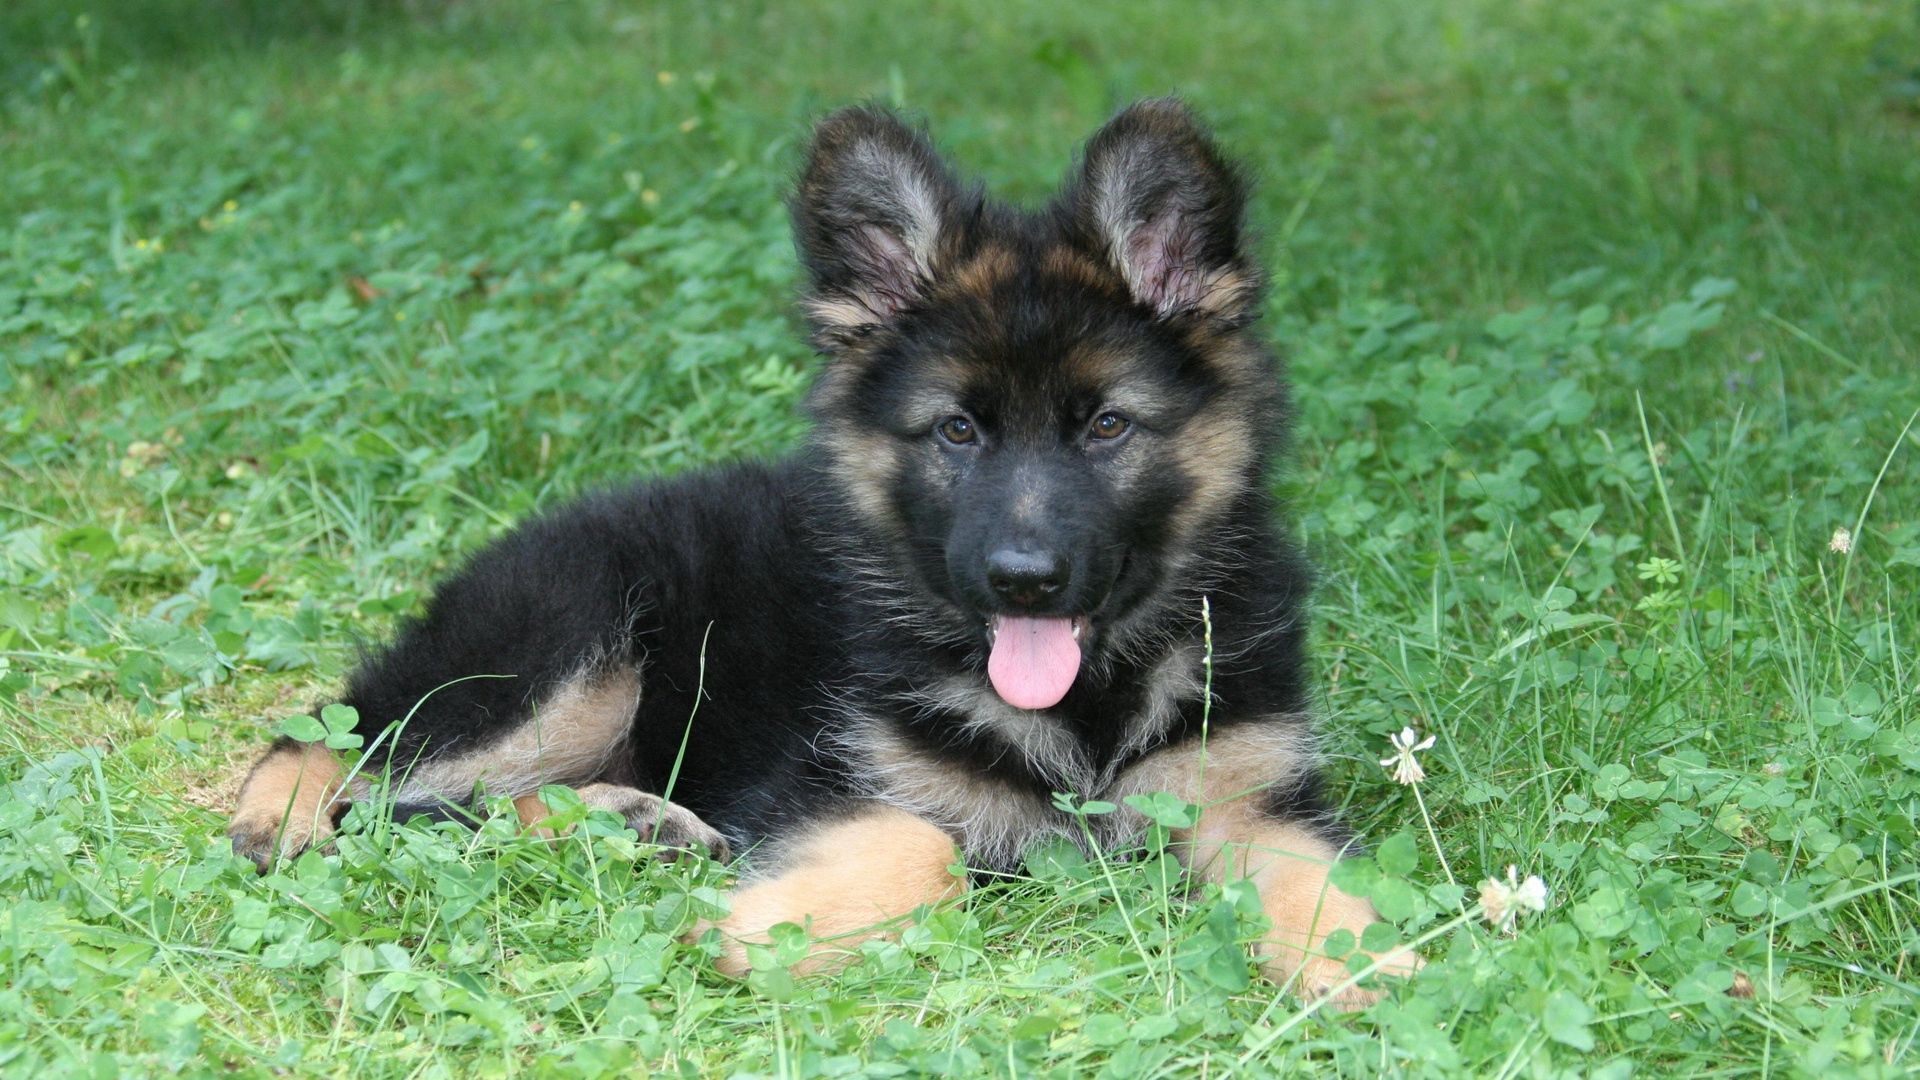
(1604, 321)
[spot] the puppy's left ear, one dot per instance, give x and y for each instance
(1156, 198)
(875, 218)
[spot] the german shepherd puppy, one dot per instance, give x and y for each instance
(1042, 440)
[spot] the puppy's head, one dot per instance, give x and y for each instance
(1042, 414)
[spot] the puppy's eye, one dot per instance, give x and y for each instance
(957, 430)
(1109, 425)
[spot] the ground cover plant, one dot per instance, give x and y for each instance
(1604, 324)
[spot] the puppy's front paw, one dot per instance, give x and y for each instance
(260, 837)
(664, 824)
(757, 909)
(676, 829)
(844, 884)
(1316, 976)
(837, 911)
(292, 800)
(1305, 908)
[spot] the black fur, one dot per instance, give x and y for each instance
(809, 599)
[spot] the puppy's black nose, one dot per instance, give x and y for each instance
(1026, 578)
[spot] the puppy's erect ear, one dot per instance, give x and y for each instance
(875, 217)
(1155, 197)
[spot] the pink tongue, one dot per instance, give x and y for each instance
(1033, 661)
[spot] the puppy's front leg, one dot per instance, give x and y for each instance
(844, 883)
(1254, 783)
(1288, 861)
(289, 802)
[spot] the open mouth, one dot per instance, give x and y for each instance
(1033, 660)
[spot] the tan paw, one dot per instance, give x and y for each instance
(1320, 977)
(665, 824)
(676, 829)
(291, 801)
(843, 884)
(260, 837)
(834, 925)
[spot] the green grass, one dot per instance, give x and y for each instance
(1603, 319)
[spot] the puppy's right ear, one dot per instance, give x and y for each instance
(874, 216)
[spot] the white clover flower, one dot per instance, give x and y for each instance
(1406, 768)
(1503, 901)
(1842, 541)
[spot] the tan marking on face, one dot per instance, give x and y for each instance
(839, 378)
(844, 883)
(842, 312)
(1238, 357)
(1070, 264)
(570, 738)
(867, 468)
(1091, 364)
(1029, 508)
(1225, 291)
(1286, 860)
(1116, 375)
(941, 384)
(288, 802)
(981, 274)
(1214, 452)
